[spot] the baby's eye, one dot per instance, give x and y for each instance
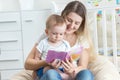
(61, 34)
(54, 33)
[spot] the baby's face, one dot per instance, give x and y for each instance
(56, 34)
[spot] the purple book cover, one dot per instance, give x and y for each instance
(52, 55)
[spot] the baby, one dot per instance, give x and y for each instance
(55, 30)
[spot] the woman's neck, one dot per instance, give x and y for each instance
(71, 38)
(69, 35)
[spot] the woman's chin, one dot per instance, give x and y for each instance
(69, 32)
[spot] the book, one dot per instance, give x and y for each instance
(52, 55)
(62, 55)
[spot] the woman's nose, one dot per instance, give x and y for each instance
(72, 25)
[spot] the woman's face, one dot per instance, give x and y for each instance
(73, 22)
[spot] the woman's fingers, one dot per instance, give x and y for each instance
(67, 68)
(65, 65)
(71, 60)
(68, 65)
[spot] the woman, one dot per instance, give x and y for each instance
(76, 34)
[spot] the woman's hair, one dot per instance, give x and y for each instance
(82, 33)
(78, 8)
(54, 20)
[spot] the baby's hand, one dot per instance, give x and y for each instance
(55, 64)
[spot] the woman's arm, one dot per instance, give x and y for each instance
(84, 59)
(33, 64)
(71, 69)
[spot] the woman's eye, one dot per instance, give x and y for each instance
(69, 20)
(77, 23)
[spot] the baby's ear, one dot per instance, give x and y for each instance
(46, 31)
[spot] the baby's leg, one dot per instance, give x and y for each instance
(46, 68)
(64, 76)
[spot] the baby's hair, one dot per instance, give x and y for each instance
(54, 20)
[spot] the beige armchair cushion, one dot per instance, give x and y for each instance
(23, 75)
(103, 69)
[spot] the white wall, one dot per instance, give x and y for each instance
(15, 5)
(9, 5)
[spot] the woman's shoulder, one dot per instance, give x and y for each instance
(43, 41)
(83, 42)
(42, 36)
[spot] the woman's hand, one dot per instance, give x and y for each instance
(55, 64)
(68, 66)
